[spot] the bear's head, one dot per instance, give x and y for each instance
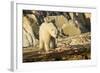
(52, 30)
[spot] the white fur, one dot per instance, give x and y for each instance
(47, 30)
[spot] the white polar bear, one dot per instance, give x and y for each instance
(47, 35)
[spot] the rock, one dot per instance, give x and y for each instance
(70, 29)
(30, 30)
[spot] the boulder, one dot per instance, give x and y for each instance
(70, 29)
(27, 33)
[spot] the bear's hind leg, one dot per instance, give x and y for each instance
(53, 44)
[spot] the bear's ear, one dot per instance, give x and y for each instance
(45, 20)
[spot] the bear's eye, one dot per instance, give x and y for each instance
(52, 29)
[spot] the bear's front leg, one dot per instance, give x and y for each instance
(46, 47)
(41, 44)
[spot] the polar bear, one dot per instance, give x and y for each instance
(47, 36)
